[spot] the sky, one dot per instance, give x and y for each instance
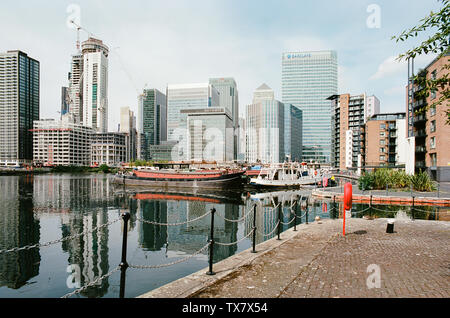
(154, 43)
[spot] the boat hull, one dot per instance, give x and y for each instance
(224, 181)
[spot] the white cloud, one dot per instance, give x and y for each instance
(392, 67)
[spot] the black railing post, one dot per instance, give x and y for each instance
(211, 244)
(123, 263)
(279, 221)
(295, 216)
(254, 228)
(307, 210)
(370, 206)
(412, 209)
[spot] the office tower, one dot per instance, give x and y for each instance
(61, 142)
(95, 84)
(293, 123)
(228, 98)
(265, 129)
(242, 139)
(128, 127)
(186, 96)
(75, 87)
(263, 92)
(383, 141)
(152, 118)
(349, 114)
(308, 79)
(19, 106)
(210, 134)
(65, 100)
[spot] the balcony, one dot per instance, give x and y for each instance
(420, 133)
(419, 118)
(421, 149)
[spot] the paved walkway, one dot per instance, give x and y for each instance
(318, 261)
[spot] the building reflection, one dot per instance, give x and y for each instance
(82, 203)
(187, 238)
(18, 228)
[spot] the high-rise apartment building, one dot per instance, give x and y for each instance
(19, 106)
(308, 79)
(229, 99)
(152, 121)
(184, 97)
(383, 141)
(427, 122)
(95, 84)
(75, 87)
(349, 114)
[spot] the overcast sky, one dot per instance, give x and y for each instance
(156, 43)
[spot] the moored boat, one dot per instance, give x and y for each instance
(183, 178)
(286, 175)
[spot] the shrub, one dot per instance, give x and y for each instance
(103, 168)
(366, 181)
(422, 182)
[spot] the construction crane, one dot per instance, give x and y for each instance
(79, 28)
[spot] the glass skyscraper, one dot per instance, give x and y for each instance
(307, 80)
(19, 106)
(152, 118)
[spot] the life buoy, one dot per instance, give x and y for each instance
(347, 196)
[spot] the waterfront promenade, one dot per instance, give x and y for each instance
(318, 261)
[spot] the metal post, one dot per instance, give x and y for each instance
(254, 229)
(211, 246)
(438, 189)
(295, 217)
(370, 206)
(412, 209)
(123, 263)
(307, 210)
(279, 221)
(334, 206)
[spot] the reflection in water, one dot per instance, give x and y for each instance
(18, 228)
(80, 203)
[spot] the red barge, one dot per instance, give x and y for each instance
(183, 177)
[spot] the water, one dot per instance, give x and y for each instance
(44, 208)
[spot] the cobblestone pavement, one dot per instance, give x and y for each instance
(414, 261)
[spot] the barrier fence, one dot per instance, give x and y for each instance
(125, 217)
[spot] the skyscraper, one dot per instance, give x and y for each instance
(19, 106)
(183, 97)
(265, 128)
(128, 127)
(308, 79)
(228, 98)
(152, 121)
(95, 84)
(75, 87)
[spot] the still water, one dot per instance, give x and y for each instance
(85, 209)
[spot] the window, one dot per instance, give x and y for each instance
(382, 142)
(433, 142)
(433, 159)
(383, 150)
(433, 126)
(382, 126)
(382, 134)
(433, 111)
(382, 158)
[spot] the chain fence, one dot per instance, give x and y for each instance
(70, 237)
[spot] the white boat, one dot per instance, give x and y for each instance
(287, 175)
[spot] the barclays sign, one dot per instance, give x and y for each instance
(297, 55)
